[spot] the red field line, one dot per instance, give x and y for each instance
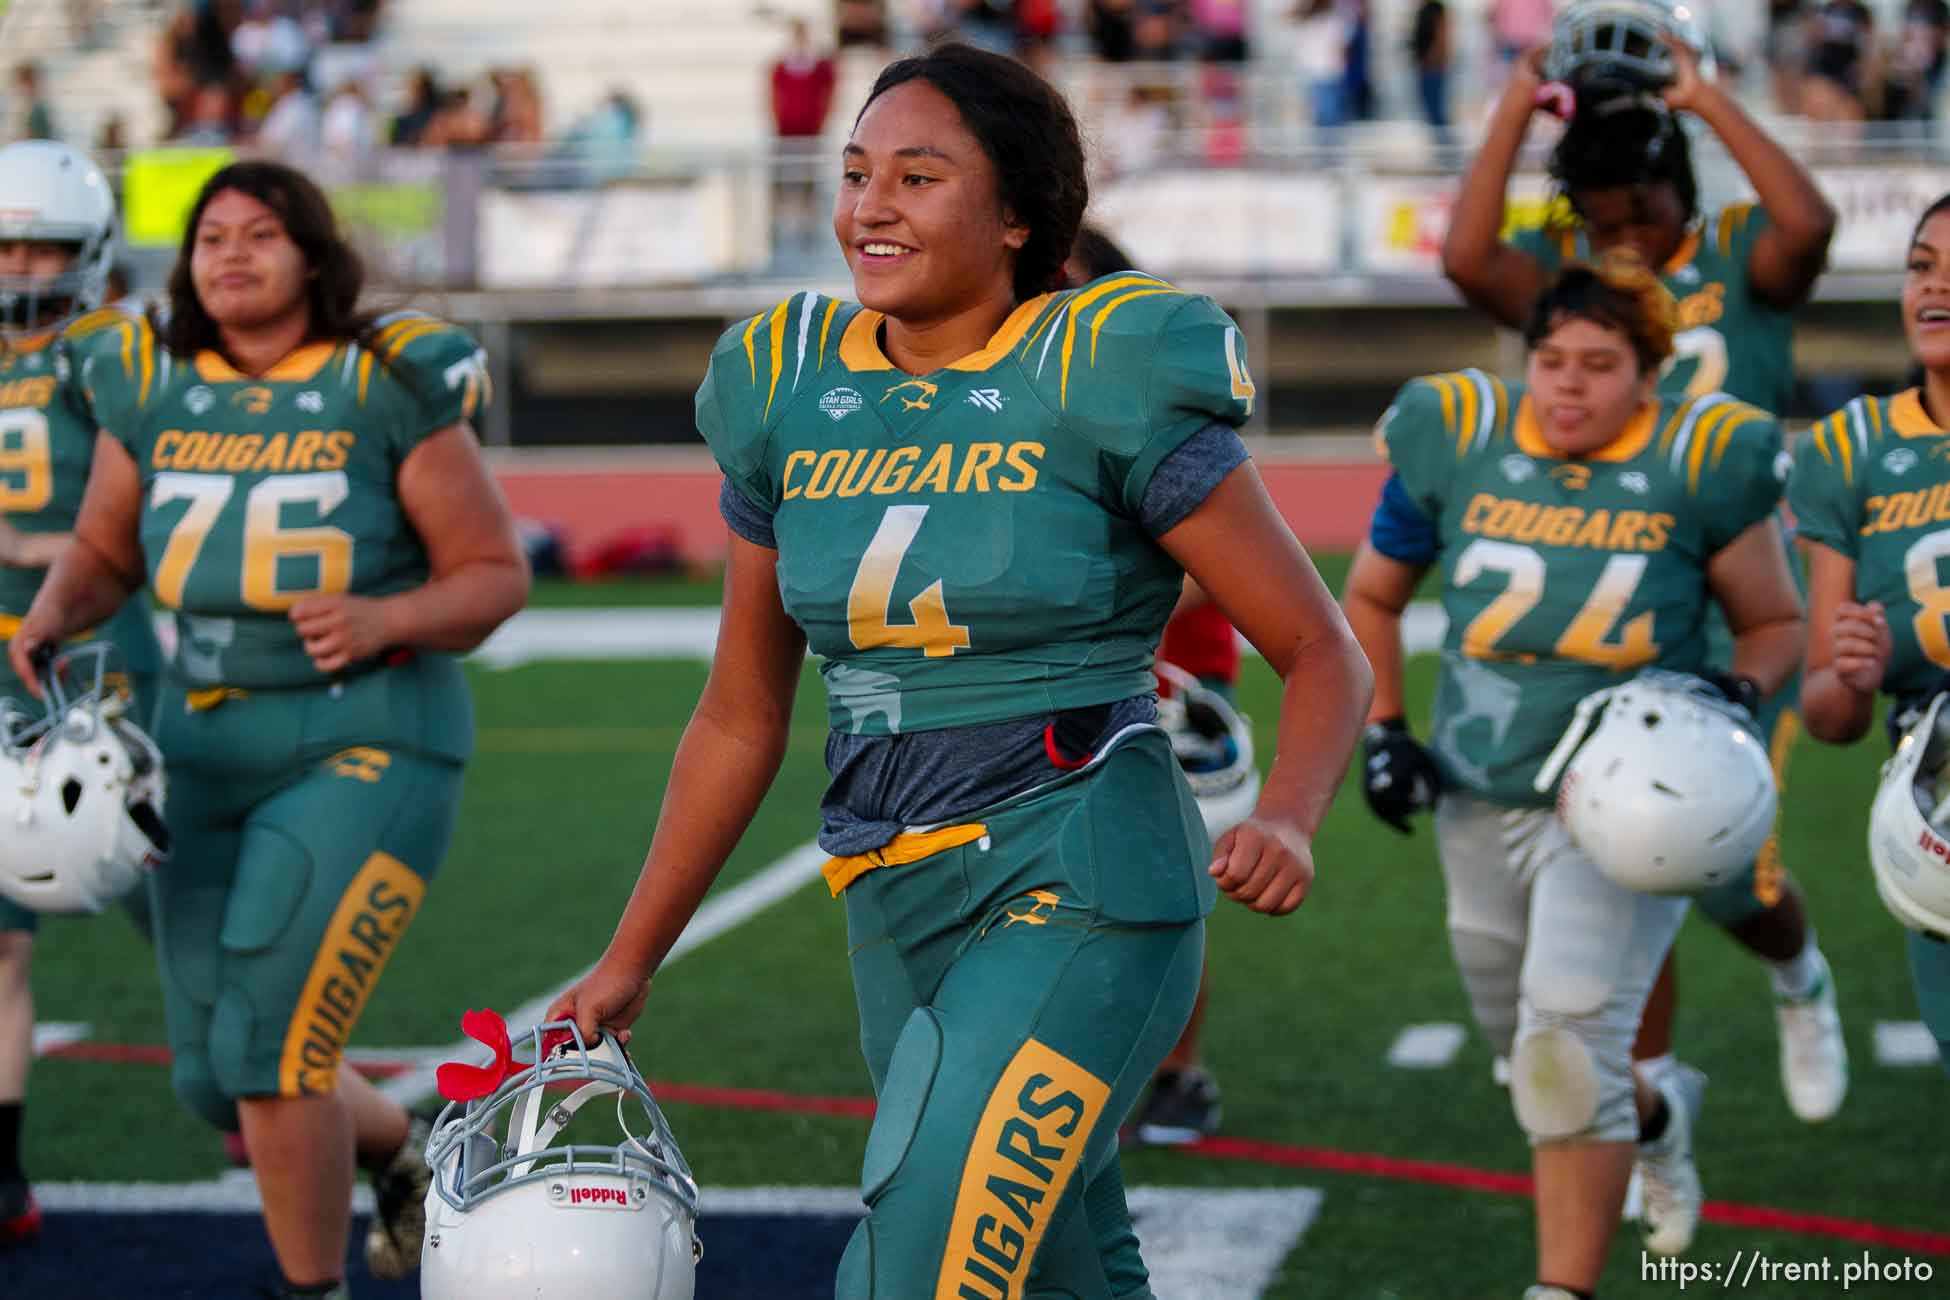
(1281, 1154)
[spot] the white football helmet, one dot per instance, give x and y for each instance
(1670, 794)
(1909, 825)
(509, 1216)
(81, 793)
(56, 194)
(1214, 745)
(1605, 48)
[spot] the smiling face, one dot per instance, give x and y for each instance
(1585, 385)
(919, 213)
(1926, 294)
(247, 272)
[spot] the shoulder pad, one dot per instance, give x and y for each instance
(434, 367)
(1734, 222)
(760, 362)
(1465, 410)
(1703, 433)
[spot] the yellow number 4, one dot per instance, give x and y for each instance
(873, 591)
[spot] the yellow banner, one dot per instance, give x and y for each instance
(159, 186)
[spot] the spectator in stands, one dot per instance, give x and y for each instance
(1429, 47)
(604, 143)
(860, 22)
(1357, 76)
(1916, 73)
(1786, 53)
(271, 40)
(1320, 50)
(422, 104)
(212, 118)
(1518, 25)
(30, 103)
(1112, 25)
(517, 113)
(1220, 28)
(802, 95)
(290, 130)
(346, 129)
(1155, 33)
(985, 24)
(1842, 82)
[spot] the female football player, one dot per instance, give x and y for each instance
(977, 499)
(55, 244)
(1875, 601)
(1624, 170)
(1581, 524)
(301, 487)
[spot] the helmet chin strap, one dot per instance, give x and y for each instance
(533, 1126)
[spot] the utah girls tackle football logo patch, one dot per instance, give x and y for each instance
(838, 403)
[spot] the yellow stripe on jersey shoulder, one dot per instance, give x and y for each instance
(1733, 219)
(1120, 289)
(94, 322)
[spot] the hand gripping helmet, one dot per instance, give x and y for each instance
(1214, 745)
(49, 192)
(81, 792)
(508, 1215)
(1670, 794)
(1909, 825)
(1608, 49)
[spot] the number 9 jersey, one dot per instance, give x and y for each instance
(47, 444)
(260, 491)
(1561, 576)
(971, 546)
(1872, 482)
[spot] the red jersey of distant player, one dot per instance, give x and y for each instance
(1201, 641)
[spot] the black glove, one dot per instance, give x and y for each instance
(1743, 691)
(1397, 775)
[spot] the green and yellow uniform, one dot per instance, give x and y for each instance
(1563, 576)
(308, 811)
(973, 554)
(1730, 339)
(47, 443)
(1871, 482)
(1734, 341)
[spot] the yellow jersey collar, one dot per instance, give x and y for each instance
(297, 366)
(1530, 438)
(860, 344)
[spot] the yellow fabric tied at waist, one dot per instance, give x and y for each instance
(901, 850)
(211, 696)
(9, 624)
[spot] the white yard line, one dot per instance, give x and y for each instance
(1904, 1043)
(51, 1034)
(1426, 1047)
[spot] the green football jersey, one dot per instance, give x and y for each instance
(1563, 576)
(258, 492)
(1872, 482)
(1729, 340)
(965, 547)
(47, 444)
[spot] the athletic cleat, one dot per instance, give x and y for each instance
(399, 1217)
(1183, 1107)
(1665, 1165)
(1542, 1292)
(1814, 1059)
(20, 1218)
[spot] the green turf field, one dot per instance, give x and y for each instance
(559, 806)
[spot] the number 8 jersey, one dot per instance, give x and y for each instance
(1561, 576)
(260, 491)
(1872, 482)
(966, 547)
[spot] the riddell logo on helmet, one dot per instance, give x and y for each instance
(1931, 844)
(607, 1198)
